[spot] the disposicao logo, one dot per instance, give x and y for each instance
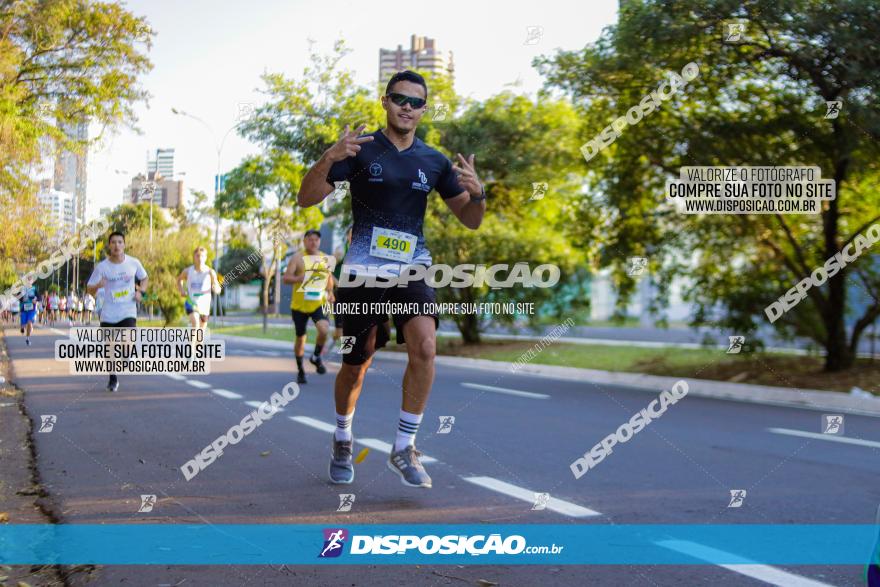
(334, 541)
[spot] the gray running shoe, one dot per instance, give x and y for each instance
(341, 469)
(406, 464)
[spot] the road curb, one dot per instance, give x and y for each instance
(815, 399)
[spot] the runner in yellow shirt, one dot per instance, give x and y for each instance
(310, 271)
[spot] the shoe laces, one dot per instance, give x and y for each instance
(343, 449)
(412, 455)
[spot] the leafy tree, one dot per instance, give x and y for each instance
(757, 101)
(240, 262)
(261, 193)
(163, 264)
(198, 212)
(62, 63)
(305, 116)
(128, 217)
(517, 142)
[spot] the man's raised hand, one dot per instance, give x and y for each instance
(466, 174)
(348, 145)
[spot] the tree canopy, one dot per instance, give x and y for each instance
(759, 100)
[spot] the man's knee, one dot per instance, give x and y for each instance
(353, 373)
(424, 349)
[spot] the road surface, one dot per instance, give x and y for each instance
(514, 434)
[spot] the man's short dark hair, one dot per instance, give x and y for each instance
(312, 231)
(406, 76)
(115, 233)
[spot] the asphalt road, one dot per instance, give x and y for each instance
(513, 433)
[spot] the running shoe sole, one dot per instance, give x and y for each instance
(334, 481)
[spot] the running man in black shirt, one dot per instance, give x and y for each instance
(390, 173)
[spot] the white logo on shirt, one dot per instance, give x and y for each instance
(422, 184)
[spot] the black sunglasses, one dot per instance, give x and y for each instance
(401, 99)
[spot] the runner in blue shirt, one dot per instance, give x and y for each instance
(28, 299)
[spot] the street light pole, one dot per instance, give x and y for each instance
(147, 192)
(219, 148)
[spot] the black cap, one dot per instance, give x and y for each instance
(312, 231)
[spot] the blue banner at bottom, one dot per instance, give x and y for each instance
(256, 544)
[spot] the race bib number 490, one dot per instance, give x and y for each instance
(393, 244)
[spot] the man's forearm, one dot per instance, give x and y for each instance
(314, 184)
(472, 214)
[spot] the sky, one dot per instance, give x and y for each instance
(208, 57)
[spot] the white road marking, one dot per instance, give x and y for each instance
(373, 443)
(506, 390)
(56, 331)
(226, 393)
(747, 567)
(267, 353)
(560, 506)
(828, 437)
(199, 384)
(176, 376)
(317, 424)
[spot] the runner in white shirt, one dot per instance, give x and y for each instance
(54, 301)
(15, 308)
(116, 275)
(200, 281)
(72, 303)
(88, 303)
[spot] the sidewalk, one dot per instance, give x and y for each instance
(815, 399)
(23, 499)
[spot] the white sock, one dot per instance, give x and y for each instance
(406, 430)
(343, 426)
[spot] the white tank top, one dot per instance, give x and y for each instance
(198, 282)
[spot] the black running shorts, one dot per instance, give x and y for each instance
(360, 324)
(126, 323)
(301, 319)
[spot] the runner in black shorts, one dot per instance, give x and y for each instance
(390, 173)
(124, 282)
(310, 273)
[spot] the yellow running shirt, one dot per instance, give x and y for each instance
(311, 293)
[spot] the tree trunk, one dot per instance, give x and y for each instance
(838, 356)
(265, 304)
(468, 325)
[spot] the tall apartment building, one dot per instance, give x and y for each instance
(422, 54)
(70, 170)
(168, 192)
(60, 206)
(162, 163)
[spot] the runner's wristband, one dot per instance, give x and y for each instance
(479, 198)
